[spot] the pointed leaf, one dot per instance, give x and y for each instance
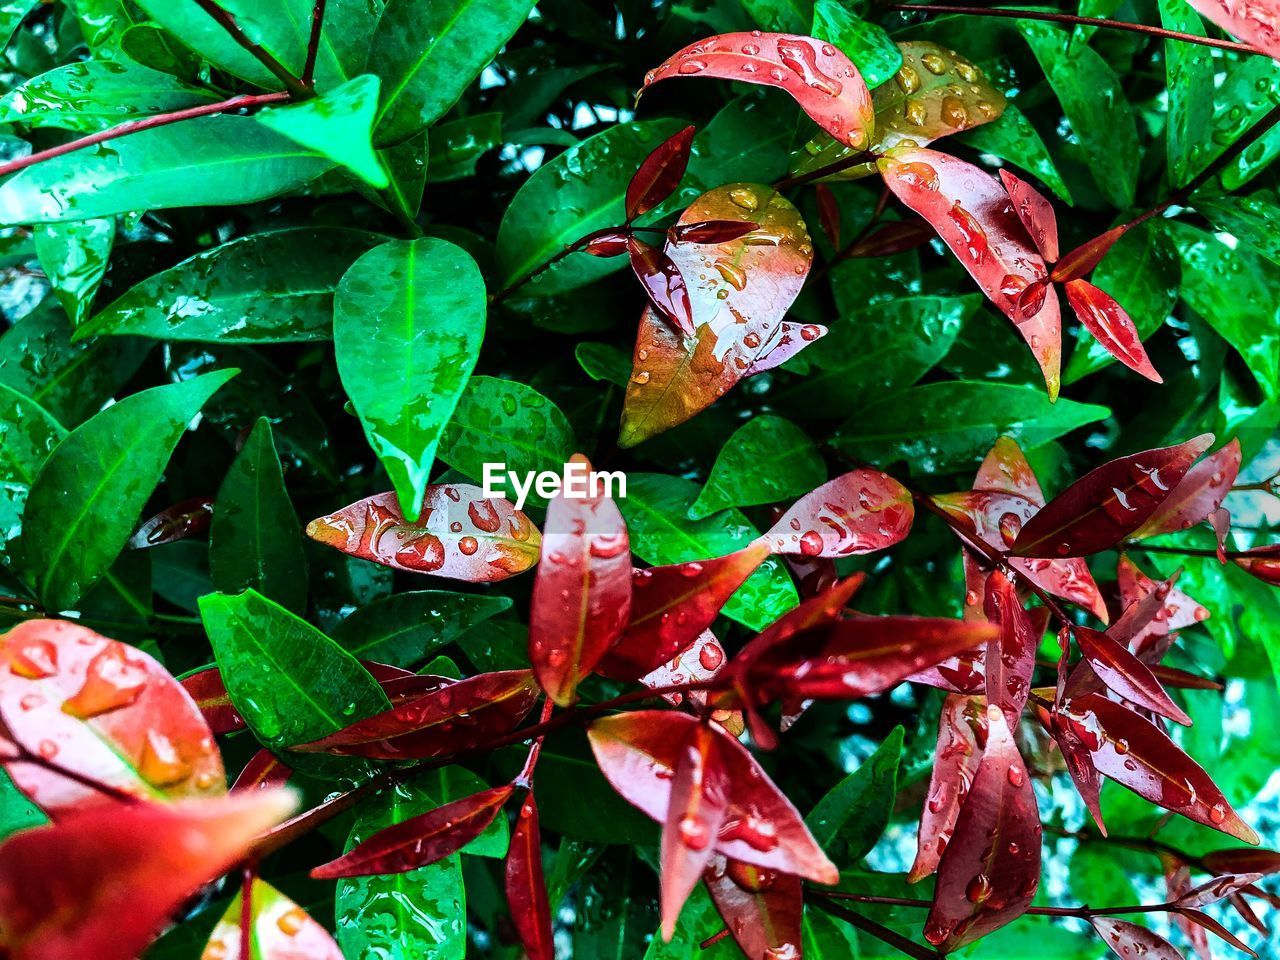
(1242, 860)
(853, 814)
(858, 512)
(461, 535)
(1126, 674)
(279, 929)
(664, 284)
(1128, 939)
(767, 459)
(1110, 325)
(1011, 657)
(762, 908)
(1197, 495)
(962, 735)
(338, 124)
(1035, 212)
(660, 174)
(525, 887)
(186, 519)
(1076, 751)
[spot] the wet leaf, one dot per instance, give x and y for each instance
(31, 436)
(962, 736)
(188, 518)
(407, 628)
(278, 929)
(867, 44)
(461, 535)
(526, 888)
(338, 124)
(408, 320)
(767, 459)
(1199, 493)
(852, 815)
(660, 173)
(74, 258)
(1126, 674)
(206, 688)
(1011, 658)
(1127, 939)
(761, 907)
(663, 283)
(1187, 77)
(1110, 325)
(858, 512)
(457, 146)
(1011, 137)
(1254, 23)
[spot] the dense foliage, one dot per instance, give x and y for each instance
(887, 618)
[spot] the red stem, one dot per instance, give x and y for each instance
(246, 911)
(313, 45)
(146, 123)
(228, 23)
(1081, 912)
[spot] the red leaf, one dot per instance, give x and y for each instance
(828, 213)
(858, 512)
(1128, 940)
(1154, 610)
(824, 608)
(638, 753)
(102, 709)
(1005, 469)
(1253, 21)
(455, 717)
(1080, 261)
(1108, 503)
(182, 520)
(606, 243)
(103, 882)
(762, 908)
(1197, 919)
(526, 889)
(1075, 746)
(1263, 563)
(459, 534)
(821, 79)
(263, 772)
(671, 606)
(696, 813)
(893, 238)
(1242, 860)
(701, 661)
(711, 231)
(279, 930)
(1011, 655)
(1126, 674)
(789, 340)
(991, 868)
(205, 687)
(1035, 212)
(582, 593)
(1110, 325)
(1219, 888)
(659, 174)
(1137, 754)
(420, 840)
(975, 217)
(663, 284)
(962, 732)
(1198, 495)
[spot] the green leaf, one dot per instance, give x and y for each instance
(766, 460)
(848, 821)
(208, 161)
(877, 350)
(1253, 219)
(699, 920)
(92, 95)
(604, 361)
(70, 380)
(1245, 96)
(1238, 293)
(1095, 105)
(270, 287)
(826, 939)
(16, 811)
(404, 629)
(949, 425)
(408, 319)
(337, 125)
(506, 422)
(456, 146)
(255, 539)
(87, 498)
(781, 16)
(74, 258)
(407, 167)
(30, 433)
(1142, 272)
(656, 509)
(1011, 137)
(868, 45)
(427, 55)
(290, 682)
(1189, 79)
(12, 13)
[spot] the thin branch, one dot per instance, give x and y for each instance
(146, 123)
(313, 44)
(826, 901)
(1083, 912)
(228, 23)
(1158, 32)
(801, 178)
(23, 755)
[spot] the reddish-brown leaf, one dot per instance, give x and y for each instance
(182, 520)
(460, 534)
(660, 173)
(454, 717)
(582, 592)
(696, 813)
(762, 908)
(205, 687)
(103, 882)
(279, 929)
(526, 889)
(609, 242)
(1219, 888)
(828, 213)
(962, 733)
(1139, 755)
(1077, 752)
(711, 231)
(858, 512)
(1154, 610)
(789, 340)
(104, 710)
(264, 771)
(1128, 676)
(1005, 469)
(1254, 21)
(1129, 940)
(663, 284)
(1108, 503)
(638, 753)
(1198, 495)
(1080, 261)
(1242, 860)
(823, 608)
(990, 870)
(1177, 878)
(893, 238)
(744, 288)
(1200, 921)
(672, 605)
(821, 79)
(1263, 563)
(1011, 654)
(1110, 325)
(420, 840)
(975, 217)
(1035, 212)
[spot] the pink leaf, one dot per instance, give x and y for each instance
(1110, 325)
(962, 733)
(858, 512)
(1128, 940)
(762, 908)
(1035, 212)
(1197, 495)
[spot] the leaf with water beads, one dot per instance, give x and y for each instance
(1199, 493)
(962, 734)
(975, 217)
(1127, 940)
(1254, 21)
(1010, 659)
(460, 534)
(1125, 674)
(663, 283)
(582, 592)
(1263, 563)
(1035, 212)
(858, 512)
(638, 754)
(525, 887)
(1110, 325)
(279, 929)
(1153, 611)
(821, 79)
(762, 908)
(660, 173)
(1108, 503)
(102, 709)
(177, 522)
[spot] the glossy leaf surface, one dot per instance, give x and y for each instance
(278, 929)
(1200, 492)
(659, 175)
(962, 736)
(526, 887)
(767, 459)
(857, 512)
(1110, 325)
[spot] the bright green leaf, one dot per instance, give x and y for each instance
(766, 460)
(74, 257)
(848, 821)
(338, 125)
(404, 629)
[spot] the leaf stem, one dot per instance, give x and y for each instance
(145, 123)
(1052, 17)
(313, 45)
(1082, 912)
(827, 901)
(835, 167)
(295, 86)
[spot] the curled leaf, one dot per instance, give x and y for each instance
(857, 512)
(1035, 212)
